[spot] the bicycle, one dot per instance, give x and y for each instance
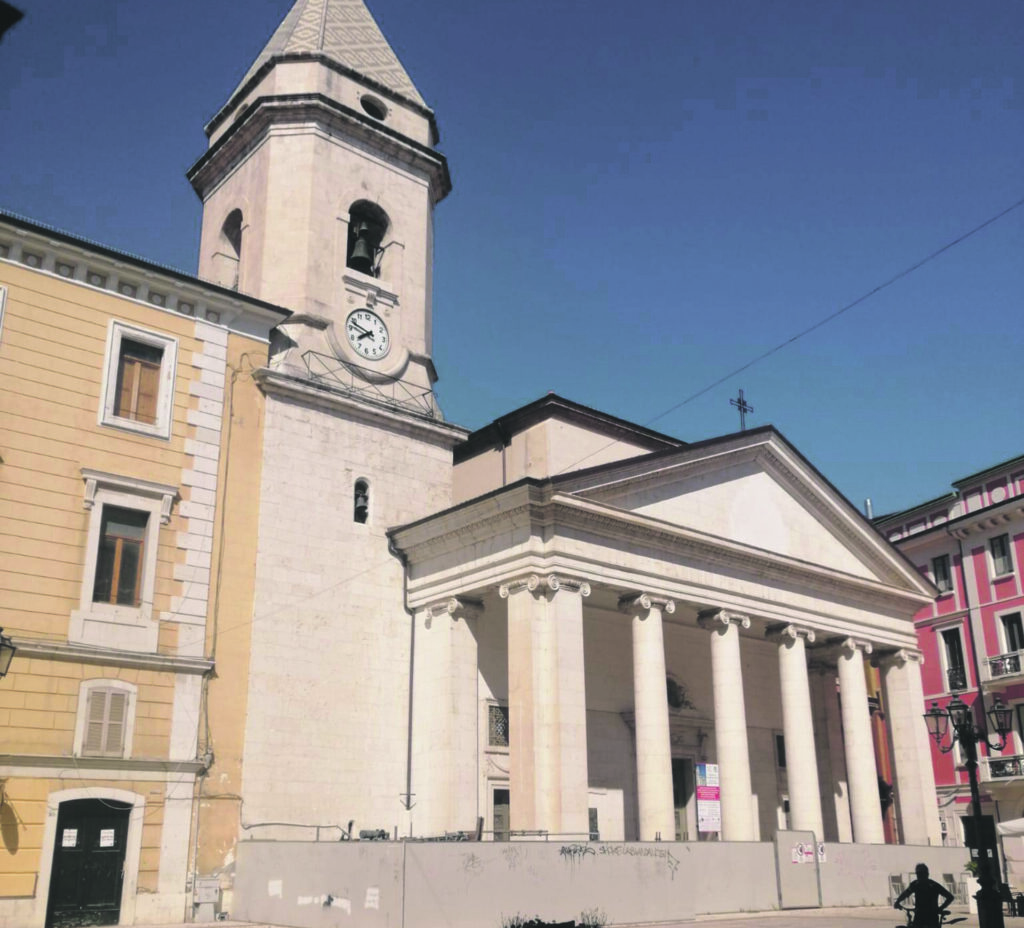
(943, 915)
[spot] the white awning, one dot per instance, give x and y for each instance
(1012, 828)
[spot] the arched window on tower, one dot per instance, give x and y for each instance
(361, 502)
(227, 260)
(367, 225)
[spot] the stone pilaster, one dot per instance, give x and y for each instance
(444, 724)
(650, 703)
(798, 728)
(911, 752)
(865, 807)
(547, 704)
(733, 753)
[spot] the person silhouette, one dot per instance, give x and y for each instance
(926, 893)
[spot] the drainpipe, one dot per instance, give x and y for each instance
(397, 552)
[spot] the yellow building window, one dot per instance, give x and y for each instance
(119, 559)
(138, 381)
(105, 723)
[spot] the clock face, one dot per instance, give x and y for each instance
(367, 334)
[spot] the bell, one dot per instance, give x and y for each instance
(362, 507)
(363, 248)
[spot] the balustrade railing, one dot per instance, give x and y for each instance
(1004, 665)
(956, 677)
(1000, 768)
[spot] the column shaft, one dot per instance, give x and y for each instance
(650, 703)
(865, 807)
(915, 780)
(547, 706)
(733, 753)
(444, 718)
(798, 730)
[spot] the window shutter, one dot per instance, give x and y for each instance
(105, 723)
(149, 391)
(117, 707)
(96, 713)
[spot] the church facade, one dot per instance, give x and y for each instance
(562, 625)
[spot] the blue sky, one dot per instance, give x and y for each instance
(646, 197)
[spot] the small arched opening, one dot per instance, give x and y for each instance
(361, 501)
(367, 225)
(228, 257)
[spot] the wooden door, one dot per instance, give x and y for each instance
(88, 863)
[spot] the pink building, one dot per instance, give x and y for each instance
(970, 544)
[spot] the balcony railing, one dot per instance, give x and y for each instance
(1003, 665)
(367, 385)
(956, 677)
(1002, 768)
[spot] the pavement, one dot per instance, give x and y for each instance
(865, 917)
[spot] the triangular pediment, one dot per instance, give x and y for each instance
(754, 490)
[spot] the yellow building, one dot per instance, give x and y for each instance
(122, 386)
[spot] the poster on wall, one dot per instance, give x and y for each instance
(709, 799)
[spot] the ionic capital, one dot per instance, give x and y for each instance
(633, 604)
(898, 658)
(719, 620)
(457, 607)
(552, 582)
(787, 633)
(847, 647)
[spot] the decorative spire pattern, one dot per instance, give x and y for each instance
(344, 31)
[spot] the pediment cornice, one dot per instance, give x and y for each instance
(539, 513)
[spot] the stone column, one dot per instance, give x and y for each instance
(547, 705)
(861, 769)
(911, 751)
(798, 729)
(733, 754)
(444, 717)
(650, 705)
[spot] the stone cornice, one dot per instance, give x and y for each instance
(315, 108)
(99, 268)
(116, 766)
(365, 409)
(61, 651)
(98, 479)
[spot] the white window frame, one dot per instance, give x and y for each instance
(82, 718)
(116, 333)
(958, 627)
(127, 628)
(949, 559)
(991, 560)
(1004, 644)
(3, 304)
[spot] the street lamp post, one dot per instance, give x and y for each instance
(7, 650)
(959, 715)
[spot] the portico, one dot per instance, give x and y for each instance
(589, 591)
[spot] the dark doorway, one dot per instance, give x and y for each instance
(501, 815)
(682, 793)
(88, 863)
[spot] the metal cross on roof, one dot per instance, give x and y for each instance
(744, 407)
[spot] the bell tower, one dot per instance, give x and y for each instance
(318, 189)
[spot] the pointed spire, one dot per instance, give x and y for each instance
(345, 32)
